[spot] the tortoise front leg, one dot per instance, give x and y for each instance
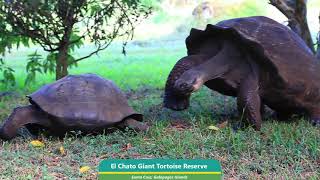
(315, 118)
(249, 102)
(19, 117)
(315, 121)
(135, 125)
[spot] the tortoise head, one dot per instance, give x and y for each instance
(212, 67)
(189, 82)
(175, 98)
(3, 135)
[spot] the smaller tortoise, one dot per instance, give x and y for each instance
(257, 60)
(87, 102)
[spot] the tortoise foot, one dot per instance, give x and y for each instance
(315, 122)
(141, 127)
(136, 125)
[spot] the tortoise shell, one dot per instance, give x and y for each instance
(279, 49)
(85, 99)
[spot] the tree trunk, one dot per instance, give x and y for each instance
(318, 43)
(296, 12)
(62, 62)
(58, 69)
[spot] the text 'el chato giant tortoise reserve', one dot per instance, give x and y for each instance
(160, 169)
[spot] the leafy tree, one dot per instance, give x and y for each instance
(296, 12)
(60, 26)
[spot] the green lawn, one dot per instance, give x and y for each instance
(281, 150)
(143, 66)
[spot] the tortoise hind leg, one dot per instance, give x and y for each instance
(135, 125)
(19, 117)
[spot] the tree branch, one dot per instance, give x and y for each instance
(296, 12)
(100, 47)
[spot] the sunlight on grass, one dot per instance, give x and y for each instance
(142, 66)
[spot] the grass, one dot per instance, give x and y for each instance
(134, 67)
(279, 151)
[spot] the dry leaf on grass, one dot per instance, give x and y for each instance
(62, 151)
(84, 169)
(213, 128)
(126, 147)
(37, 143)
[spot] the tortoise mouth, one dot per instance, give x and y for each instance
(186, 88)
(177, 103)
(176, 107)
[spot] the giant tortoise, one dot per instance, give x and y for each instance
(87, 102)
(257, 60)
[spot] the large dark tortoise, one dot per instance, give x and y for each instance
(87, 102)
(255, 59)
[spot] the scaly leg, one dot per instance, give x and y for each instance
(315, 118)
(249, 102)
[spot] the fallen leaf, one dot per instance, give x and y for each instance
(84, 169)
(37, 143)
(213, 128)
(127, 147)
(62, 150)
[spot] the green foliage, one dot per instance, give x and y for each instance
(49, 64)
(54, 25)
(34, 65)
(7, 74)
(8, 40)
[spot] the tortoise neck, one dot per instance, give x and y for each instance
(220, 64)
(183, 65)
(18, 118)
(174, 100)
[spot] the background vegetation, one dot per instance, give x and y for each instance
(281, 150)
